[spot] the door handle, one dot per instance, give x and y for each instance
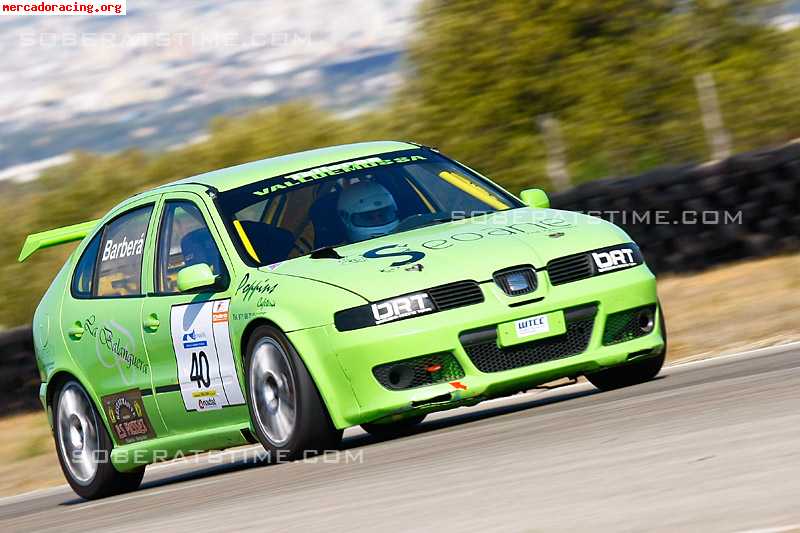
(151, 322)
(76, 331)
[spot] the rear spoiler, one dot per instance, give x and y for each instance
(54, 237)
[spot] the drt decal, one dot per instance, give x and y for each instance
(206, 368)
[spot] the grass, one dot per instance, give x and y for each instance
(732, 308)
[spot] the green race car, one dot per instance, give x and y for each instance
(284, 300)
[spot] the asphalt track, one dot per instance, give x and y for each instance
(709, 446)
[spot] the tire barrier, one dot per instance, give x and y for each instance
(19, 378)
(688, 218)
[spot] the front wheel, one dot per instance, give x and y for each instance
(628, 374)
(286, 409)
(393, 429)
(84, 447)
(632, 373)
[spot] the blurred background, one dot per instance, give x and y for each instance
(613, 105)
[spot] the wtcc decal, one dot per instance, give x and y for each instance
(206, 368)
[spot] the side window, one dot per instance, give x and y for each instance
(83, 279)
(119, 268)
(184, 240)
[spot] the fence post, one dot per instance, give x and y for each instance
(716, 135)
(556, 152)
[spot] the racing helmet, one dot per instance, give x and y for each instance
(367, 210)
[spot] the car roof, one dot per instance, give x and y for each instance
(232, 177)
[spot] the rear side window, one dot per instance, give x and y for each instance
(119, 264)
(83, 279)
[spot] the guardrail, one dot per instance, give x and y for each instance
(684, 218)
(692, 217)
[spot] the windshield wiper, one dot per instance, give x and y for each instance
(325, 252)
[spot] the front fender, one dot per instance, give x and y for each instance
(292, 303)
(303, 309)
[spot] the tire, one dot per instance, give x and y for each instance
(84, 446)
(288, 415)
(393, 429)
(634, 373)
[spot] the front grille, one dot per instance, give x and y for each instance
(456, 294)
(481, 346)
(570, 268)
(418, 371)
(624, 326)
(516, 281)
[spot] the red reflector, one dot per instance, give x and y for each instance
(434, 368)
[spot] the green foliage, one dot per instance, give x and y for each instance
(618, 74)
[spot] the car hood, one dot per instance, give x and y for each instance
(468, 249)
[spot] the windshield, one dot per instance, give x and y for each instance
(341, 203)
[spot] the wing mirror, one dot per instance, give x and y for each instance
(195, 277)
(535, 198)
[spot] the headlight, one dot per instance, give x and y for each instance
(384, 311)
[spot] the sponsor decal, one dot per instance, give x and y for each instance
(614, 259)
(204, 355)
(128, 417)
(308, 176)
(111, 338)
(485, 232)
(408, 256)
(246, 316)
(458, 385)
(404, 255)
(532, 326)
(194, 340)
(248, 289)
(401, 307)
(207, 400)
(219, 312)
(120, 250)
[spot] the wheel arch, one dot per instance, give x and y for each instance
(321, 381)
(57, 381)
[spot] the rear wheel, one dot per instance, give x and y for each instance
(393, 429)
(288, 414)
(84, 447)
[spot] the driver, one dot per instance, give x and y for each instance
(367, 210)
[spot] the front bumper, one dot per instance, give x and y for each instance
(354, 396)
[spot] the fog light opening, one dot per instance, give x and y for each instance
(401, 376)
(645, 321)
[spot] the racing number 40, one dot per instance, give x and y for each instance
(200, 373)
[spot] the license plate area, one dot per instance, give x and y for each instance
(531, 328)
